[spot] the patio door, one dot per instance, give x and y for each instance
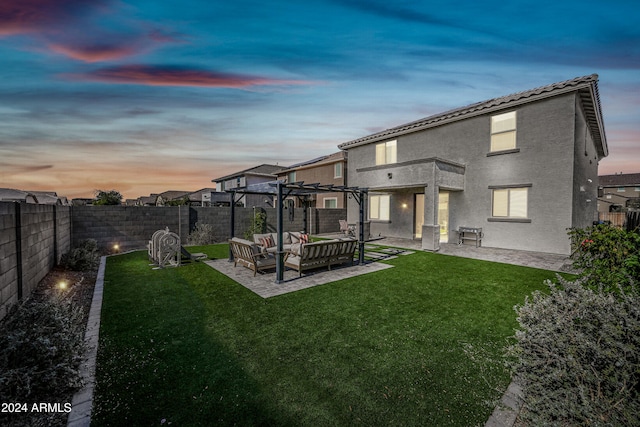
(443, 216)
(419, 215)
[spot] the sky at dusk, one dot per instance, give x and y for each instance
(154, 95)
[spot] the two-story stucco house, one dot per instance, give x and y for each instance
(617, 192)
(325, 170)
(522, 167)
(244, 178)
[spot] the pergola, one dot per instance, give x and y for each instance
(301, 190)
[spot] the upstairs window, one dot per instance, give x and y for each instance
(503, 132)
(386, 153)
(291, 177)
(337, 170)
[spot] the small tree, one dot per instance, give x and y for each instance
(258, 225)
(111, 197)
(606, 256)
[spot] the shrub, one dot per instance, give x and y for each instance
(577, 356)
(202, 234)
(607, 256)
(83, 257)
(41, 347)
(258, 225)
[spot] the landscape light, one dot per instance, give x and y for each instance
(62, 284)
(116, 247)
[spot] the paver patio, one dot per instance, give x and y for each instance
(265, 286)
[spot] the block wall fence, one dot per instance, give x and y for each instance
(33, 237)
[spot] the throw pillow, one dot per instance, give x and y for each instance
(267, 241)
(304, 238)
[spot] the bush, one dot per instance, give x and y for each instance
(83, 257)
(258, 225)
(41, 347)
(607, 256)
(577, 356)
(202, 234)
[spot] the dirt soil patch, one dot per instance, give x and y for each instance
(79, 286)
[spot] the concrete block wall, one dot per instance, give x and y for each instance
(8, 258)
(32, 240)
(131, 227)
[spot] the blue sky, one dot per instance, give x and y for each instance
(148, 96)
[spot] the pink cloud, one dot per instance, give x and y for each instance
(178, 76)
(28, 16)
(95, 53)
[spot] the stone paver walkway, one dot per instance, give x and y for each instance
(546, 261)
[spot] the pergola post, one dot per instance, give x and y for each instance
(280, 243)
(305, 215)
(362, 201)
(233, 222)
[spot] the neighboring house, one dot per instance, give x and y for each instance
(201, 197)
(522, 167)
(255, 175)
(12, 195)
(50, 198)
(326, 170)
(177, 197)
(215, 198)
(617, 192)
(147, 200)
(38, 197)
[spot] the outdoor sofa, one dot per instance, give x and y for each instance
(324, 253)
(298, 255)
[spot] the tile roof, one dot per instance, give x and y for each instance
(328, 159)
(262, 170)
(587, 86)
(619, 180)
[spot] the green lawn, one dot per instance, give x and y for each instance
(419, 344)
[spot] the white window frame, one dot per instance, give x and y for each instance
(387, 152)
(338, 170)
(330, 199)
(504, 132)
(380, 207)
(514, 202)
(622, 190)
(291, 177)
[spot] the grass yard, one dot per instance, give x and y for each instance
(419, 344)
